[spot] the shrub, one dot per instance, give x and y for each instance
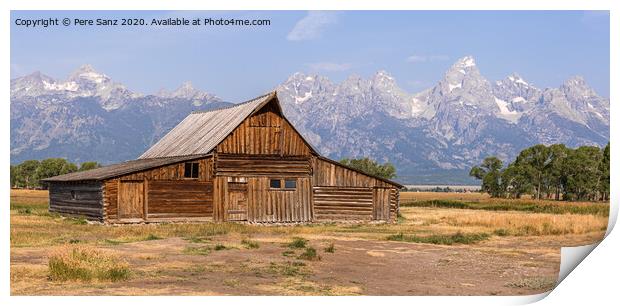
(288, 253)
(195, 239)
(219, 247)
(457, 238)
(25, 211)
(249, 244)
(152, 237)
(330, 248)
(501, 232)
(309, 254)
(86, 264)
(201, 250)
(298, 243)
(287, 268)
(79, 221)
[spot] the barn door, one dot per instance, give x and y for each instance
(381, 204)
(237, 201)
(131, 199)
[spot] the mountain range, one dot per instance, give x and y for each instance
(433, 136)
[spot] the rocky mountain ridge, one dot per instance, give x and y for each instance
(431, 136)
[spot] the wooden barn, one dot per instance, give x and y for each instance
(246, 162)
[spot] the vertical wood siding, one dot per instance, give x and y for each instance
(86, 200)
(271, 205)
(264, 133)
(131, 198)
(381, 204)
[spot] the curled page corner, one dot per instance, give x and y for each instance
(570, 257)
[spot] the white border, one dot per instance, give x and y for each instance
(594, 280)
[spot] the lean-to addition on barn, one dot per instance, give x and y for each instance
(241, 163)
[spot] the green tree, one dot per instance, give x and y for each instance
(89, 165)
(13, 176)
(604, 170)
(26, 174)
(583, 175)
(557, 170)
(515, 181)
(536, 160)
(370, 166)
(490, 174)
(54, 166)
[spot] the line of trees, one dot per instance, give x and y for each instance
(367, 165)
(550, 172)
(29, 173)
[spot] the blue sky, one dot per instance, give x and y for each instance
(237, 63)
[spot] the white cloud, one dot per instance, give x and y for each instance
(311, 26)
(426, 58)
(328, 66)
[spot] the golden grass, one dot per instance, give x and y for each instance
(412, 196)
(30, 196)
(406, 196)
(508, 222)
(35, 227)
(86, 264)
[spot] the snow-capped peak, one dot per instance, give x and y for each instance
(463, 67)
(185, 90)
(465, 62)
(515, 78)
(88, 73)
(577, 85)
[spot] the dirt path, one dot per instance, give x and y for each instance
(500, 266)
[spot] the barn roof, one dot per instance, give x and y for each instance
(120, 169)
(200, 132)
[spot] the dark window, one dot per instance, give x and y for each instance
(275, 183)
(191, 170)
(73, 196)
(290, 183)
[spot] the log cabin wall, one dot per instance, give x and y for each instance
(167, 194)
(332, 203)
(77, 199)
(344, 194)
(262, 165)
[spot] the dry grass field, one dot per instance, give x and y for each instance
(442, 244)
